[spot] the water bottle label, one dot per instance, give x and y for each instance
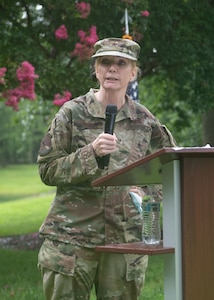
(151, 207)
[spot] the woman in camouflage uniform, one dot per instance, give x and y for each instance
(81, 216)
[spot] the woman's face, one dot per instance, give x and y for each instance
(114, 72)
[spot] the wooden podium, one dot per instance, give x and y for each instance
(187, 176)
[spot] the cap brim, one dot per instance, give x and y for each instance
(114, 53)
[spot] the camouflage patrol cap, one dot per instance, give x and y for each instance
(117, 47)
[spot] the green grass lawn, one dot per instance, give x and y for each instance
(19, 277)
(24, 202)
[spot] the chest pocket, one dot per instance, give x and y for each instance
(133, 142)
(84, 132)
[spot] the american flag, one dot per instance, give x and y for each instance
(132, 90)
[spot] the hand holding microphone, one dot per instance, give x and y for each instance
(105, 143)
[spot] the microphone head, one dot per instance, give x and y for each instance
(111, 109)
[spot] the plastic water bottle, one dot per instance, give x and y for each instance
(151, 220)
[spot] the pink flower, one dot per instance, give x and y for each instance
(84, 49)
(84, 9)
(145, 13)
(60, 100)
(61, 33)
(92, 38)
(82, 35)
(12, 99)
(26, 90)
(2, 74)
(25, 74)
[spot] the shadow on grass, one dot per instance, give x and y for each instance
(10, 197)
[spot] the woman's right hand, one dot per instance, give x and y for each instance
(104, 144)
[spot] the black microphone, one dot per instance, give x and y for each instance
(111, 112)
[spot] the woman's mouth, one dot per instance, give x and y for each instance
(112, 78)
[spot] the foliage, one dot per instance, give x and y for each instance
(21, 132)
(7, 135)
(176, 37)
(176, 61)
(181, 33)
(185, 124)
(29, 31)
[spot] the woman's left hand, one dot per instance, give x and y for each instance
(137, 190)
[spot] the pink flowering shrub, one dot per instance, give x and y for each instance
(84, 49)
(84, 9)
(61, 33)
(145, 13)
(60, 100)
(26, 76)
(12, 99)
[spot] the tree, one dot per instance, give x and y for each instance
(31, 34)
(181, 34)
(176, 37)
(21, 132)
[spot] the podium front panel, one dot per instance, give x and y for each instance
(197, 206)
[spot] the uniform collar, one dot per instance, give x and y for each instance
(97, 110)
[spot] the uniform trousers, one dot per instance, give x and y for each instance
(114, 276)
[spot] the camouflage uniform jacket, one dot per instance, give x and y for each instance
(81, 214)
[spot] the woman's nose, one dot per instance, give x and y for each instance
(112, 67)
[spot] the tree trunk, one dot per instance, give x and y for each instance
(208, 128)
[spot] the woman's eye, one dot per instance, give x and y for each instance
(121, 63)
(105, 61)
(108, 62)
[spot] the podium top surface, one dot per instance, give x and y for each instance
(148, 170)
